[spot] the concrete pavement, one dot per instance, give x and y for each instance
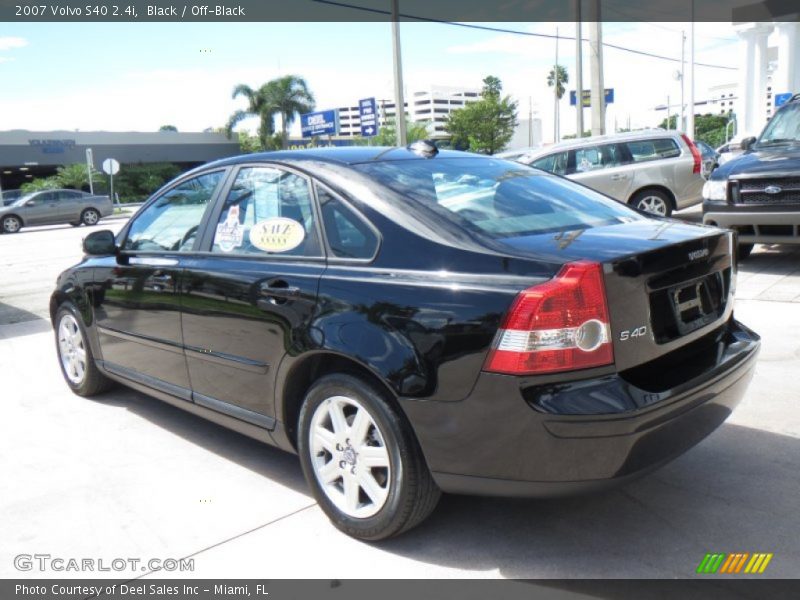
(126, 476)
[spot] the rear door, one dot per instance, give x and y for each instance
(138, 313)
(250, 298)
(70, 205)
(602, 168)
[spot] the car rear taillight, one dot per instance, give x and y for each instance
(698, 160)
(560, 325)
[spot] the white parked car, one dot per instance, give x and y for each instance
(657, 171)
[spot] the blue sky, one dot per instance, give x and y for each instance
(138, 76)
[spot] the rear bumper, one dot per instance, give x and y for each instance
(496, 442)
(767, 227)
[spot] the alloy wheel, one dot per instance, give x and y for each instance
(72, 349)
(11, 225)
(90, 217)
(653, 204)
(349, 457)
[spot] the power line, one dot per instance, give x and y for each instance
(517, 32)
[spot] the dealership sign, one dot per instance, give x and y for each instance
(52, 146)
(587, 97)
(324, 122)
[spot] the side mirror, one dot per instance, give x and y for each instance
(100, 243)
(30, 203)
(747, 143)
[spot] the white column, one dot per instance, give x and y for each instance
(787, 77)
(761, 61)
(752, 95)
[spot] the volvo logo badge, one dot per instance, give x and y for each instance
(773, 189)
(696, 254)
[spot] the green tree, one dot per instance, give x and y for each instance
(259, 106)
(75, 176)
(288, 97)
(707, 128)
(168, 128)
(387, 134)
(557, 77)
(485, 126)
(40, 183)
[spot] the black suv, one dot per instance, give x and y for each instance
(758, 193)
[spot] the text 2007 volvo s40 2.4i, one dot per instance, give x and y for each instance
(410, 321)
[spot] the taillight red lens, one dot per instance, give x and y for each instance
(560, 325)
(698, 159)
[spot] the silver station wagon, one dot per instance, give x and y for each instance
(49, 207)
(656, 171)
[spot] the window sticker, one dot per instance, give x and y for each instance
(230, 233)
(277, 234)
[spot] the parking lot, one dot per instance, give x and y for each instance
(123, 475)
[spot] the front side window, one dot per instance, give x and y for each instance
(348, 235)
(269, 211)
(554, 163)
(170, 223)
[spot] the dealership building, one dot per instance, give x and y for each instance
(28, 154)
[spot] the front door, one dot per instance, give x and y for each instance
(252, 298)
(138, 315)
(42, 209)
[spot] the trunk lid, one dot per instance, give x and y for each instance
(667, 283)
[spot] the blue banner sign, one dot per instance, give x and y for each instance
(325, 122)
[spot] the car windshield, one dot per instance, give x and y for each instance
(497, 197)
(784, 126)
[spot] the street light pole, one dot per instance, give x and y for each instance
(556, 81)
(690, 115)
(399, 102)
(578, 69)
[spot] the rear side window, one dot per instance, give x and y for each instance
(496, 198)
(171, 222)
(655, 149)
(268, 211)
(348, 235)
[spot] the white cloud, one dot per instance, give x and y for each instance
(9, 43)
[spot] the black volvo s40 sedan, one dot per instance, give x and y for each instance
(410, 321)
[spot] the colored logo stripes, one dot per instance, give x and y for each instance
(737, 562)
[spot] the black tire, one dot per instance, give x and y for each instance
(90, 216)
(646, 199)
(744, 250)
(11, 224)
(412, 494)
(93, 381)
(76, 223)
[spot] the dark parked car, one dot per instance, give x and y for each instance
(54, 206)
(758, 193)
(709, 155)
(412, 321)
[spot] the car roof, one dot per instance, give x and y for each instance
(345, 155)
(603, 139)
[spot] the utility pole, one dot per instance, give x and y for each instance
(683, 78)
(690, 115)
(596, 65)
(556, 81)
(578, 69)
(399, 102)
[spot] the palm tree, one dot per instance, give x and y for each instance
(562, 78)
(258, 105)
(288, 96)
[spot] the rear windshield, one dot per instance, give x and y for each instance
(497, 197)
